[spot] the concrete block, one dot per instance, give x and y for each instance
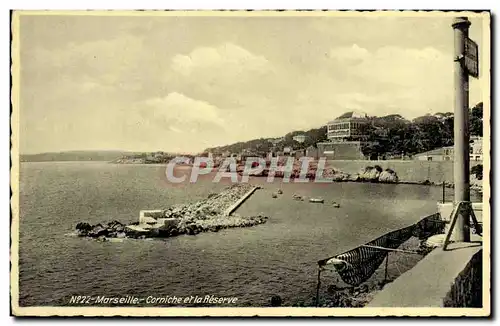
(150, 216)
(171, 222)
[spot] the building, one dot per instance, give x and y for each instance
(345, 150)
(276, 141)
(438, 154)
(348, 127)
(299, 138)
(476, 148)
(447, 153)
(312, 151)
(298, 153)
(271, 154)
(346, 137)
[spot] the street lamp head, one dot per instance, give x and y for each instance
(461, 22)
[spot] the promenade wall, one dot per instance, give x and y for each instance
(466, 290)
(441, 279)
(407, 171)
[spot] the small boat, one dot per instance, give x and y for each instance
(336, 205)
(316, 200)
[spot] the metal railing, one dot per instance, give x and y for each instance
(469, 212)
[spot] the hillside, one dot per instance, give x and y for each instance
(264, 145)
(401, 135)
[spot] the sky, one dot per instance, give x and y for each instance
(185, 83)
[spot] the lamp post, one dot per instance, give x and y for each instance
(461, 128)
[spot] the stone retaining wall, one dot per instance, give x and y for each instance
(408, 171)
(467, 290)
(449, 278)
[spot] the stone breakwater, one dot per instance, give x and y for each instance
(207, 215)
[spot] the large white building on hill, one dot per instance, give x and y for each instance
(346, 137)
(348, 126)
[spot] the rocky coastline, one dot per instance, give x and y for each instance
(208, 215)
(368, 174)
(372, 174)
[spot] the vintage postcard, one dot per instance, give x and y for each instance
(250, 163)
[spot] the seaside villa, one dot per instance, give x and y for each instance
(346, 137)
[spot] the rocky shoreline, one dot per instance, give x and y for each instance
(375, 174)
(475, 184)
(368, 174)
(372, 174)
(208, 215)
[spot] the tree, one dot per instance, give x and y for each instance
(431, 132)
(476, 120)
(410, 137)
(448, 131)
(372, 150)
(315, 136)
(477, 170)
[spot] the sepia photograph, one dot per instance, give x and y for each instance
(250, 163)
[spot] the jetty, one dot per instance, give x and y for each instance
(212, 214)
